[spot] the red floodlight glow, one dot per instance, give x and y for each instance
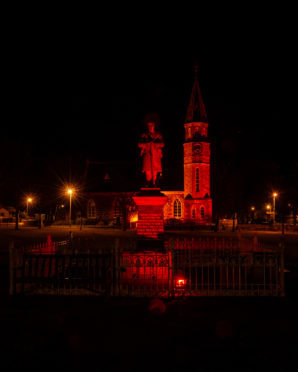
(180, 283)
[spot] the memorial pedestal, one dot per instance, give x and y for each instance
(150, 203)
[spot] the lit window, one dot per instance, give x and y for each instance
(202, 212)
(177, 209)
(197, 180)
(91, 210)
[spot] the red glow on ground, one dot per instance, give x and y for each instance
(157, 306)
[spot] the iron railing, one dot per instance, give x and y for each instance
(184, 267)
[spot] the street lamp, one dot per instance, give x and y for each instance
(29, 200)
(70, 191)
(268, 207)
(252, 213)
(274, 196)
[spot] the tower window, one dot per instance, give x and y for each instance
(189, 132)
(197, 180)
(177, 209)
(202, 212)
(197, 134)
(91, 210)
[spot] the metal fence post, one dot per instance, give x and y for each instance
(11, 268)
(116, 268)
(282, 267)
(171, 266)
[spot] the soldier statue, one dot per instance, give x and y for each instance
(151, 144)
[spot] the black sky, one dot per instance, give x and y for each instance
(86, 95)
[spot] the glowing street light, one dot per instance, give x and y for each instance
(252, 208)
(274, 196)
(70, 192)
(29, 200)
(268, 207)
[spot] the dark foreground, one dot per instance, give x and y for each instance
(202, 334)
(107, 334)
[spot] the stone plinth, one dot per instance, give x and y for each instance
(150, 203)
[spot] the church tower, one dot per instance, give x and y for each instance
(198, 203)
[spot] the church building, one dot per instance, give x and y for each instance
(192, 205)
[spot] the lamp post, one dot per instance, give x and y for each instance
(29, 200)
(252, 214)
(70, 191)
(274, 196)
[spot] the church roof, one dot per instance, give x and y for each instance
(102, 176)
(110, 177)
(196, 111)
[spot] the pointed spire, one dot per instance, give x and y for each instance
(196, 109)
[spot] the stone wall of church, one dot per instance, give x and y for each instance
(120, 209)
(110, 208)
(168, 209)
(198, 211)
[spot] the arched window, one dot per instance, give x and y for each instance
(202, 212)
(91, 209)
(193, 213)
(197, 180)
(177, 209)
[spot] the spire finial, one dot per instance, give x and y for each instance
(196, 109)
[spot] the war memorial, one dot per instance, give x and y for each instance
(145, 297)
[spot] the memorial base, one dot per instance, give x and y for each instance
(150, 203)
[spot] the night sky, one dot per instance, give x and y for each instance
(85, 97)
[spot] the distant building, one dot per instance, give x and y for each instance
(6, 213)
(113, 203)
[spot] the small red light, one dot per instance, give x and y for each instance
(180, 283)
